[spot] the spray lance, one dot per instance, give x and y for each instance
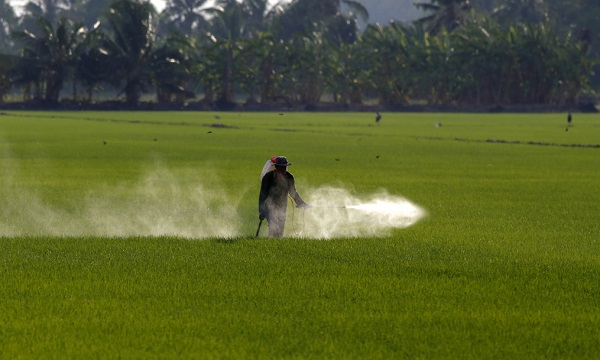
(258, 230)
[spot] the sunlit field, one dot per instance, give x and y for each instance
(132, 235)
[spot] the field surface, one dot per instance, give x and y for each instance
(131, 235)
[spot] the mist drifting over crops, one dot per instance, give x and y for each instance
(162, 203)
(159, 203)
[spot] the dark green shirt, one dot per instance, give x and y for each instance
(274, 190)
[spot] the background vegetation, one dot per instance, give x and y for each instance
(478, 53)
(505, 265)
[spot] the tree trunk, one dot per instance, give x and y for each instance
(227, 86)
(54, 83)
(132, 92)
(266, 94)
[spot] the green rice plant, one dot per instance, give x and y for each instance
(505, 265)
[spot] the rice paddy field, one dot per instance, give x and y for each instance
(132, 235)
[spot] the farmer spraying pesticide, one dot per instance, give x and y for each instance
(276, 183)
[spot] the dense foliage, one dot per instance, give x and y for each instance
(460, 52)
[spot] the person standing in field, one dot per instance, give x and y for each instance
(275, 185)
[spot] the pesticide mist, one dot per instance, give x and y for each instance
(337, 213)
(160, 203)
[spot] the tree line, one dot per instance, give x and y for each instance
(295, 53)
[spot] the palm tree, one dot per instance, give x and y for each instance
(448, 14)
(186, 17)
(521, 11)
(87, 11)
(227, 28)
(47, 57)
(8, 21)
(93, 65)
(485, 6)
(49, 9)
(334, 7)
(129, 44)
(258, 15)
(169, 64)
(206, 69)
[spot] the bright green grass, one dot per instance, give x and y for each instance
(506, 265)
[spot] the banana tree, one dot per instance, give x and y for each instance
(388, 72)
(484, 60)
(343, 72)
(575, 66)
(307, 57)
(206, 69)
(256, 71)
(443, 72)
(344, 65)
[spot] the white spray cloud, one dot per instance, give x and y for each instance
(160, 203)
(335, 212)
